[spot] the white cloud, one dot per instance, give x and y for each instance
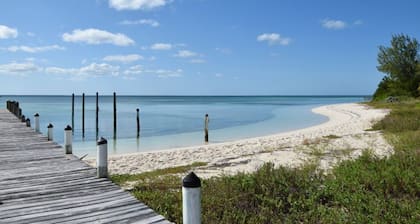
(137, 4)
(273, 38)
(34, 49)
(161, 46)
(92, 70)
(162, 73)
(19, 68)
(185, 54)
(134, 70)
(30, 34)
(95, 36)
(123, 58)
(333, 24)
(150, 22)
(197, 61)
(7, 32)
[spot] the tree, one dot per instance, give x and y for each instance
(400, 62)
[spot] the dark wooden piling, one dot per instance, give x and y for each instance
(138, 122)
(72, 112)
(97, 115)
(83, 115)
(206, 128)
(115, 116)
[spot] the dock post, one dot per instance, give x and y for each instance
(102, 158)
(23, 119)
(97, 116)
(16, 109)
(28, 122)
(191, 199)
(19, 113)
(115, 115)
(72, 112)
(138, 122)
(206, 128)
(83, 115)
(68, 140)
(50, 132)
(36, 120)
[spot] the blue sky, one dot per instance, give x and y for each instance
(197, 47)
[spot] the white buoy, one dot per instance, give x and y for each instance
(50, 132)
(36, 120)
(191, 199)
(68, 140)
(102, 158)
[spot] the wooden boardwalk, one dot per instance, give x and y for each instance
(40, 184)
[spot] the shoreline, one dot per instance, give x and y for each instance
(344, 132)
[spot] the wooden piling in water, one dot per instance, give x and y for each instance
(97, 115)
(83, 115)
(72, 113)
(115, 116)
(138, 122)
(206, 128)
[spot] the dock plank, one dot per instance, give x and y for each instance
(40, 184)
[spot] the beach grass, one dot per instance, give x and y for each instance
(364, 190)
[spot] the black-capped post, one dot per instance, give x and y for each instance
(28, 122)
(50, 132)
(36, 121)
(23, 118)
(191, 199)
(115, 115)
(206, 128)
(83, 115)
(138, 122)
(68, 140)
(102, 158)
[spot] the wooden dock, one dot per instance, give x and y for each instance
(40, 184)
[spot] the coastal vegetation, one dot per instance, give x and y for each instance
(365, 190)
(401, 64)
(368, 189)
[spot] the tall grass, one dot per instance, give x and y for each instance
(365, 190)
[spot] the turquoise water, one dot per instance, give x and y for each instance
(174, 121)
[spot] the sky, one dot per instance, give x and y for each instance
(198, 47)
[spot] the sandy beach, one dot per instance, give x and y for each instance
(344, 136)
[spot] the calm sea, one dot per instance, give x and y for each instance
(174, 121)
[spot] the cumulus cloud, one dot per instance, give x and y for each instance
(29, 49)
(273, 39)
(333, 24)
(150, 22)
(137, 4)
(134, 70)
(162, 73)
(185, 54)
(19, 68)
(92, 70)
(7, 32)
(95, 36)
(123, 58)
(161, 46)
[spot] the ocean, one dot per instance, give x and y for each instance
(173, 121)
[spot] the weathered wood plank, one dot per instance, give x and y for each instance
(40, 184)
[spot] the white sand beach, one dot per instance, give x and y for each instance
(343, 136)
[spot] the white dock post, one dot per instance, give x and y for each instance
(36, 120)
(50, 132)
(102, 158)
(191, 199)
(68, 140)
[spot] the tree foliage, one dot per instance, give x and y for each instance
(400, 63)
